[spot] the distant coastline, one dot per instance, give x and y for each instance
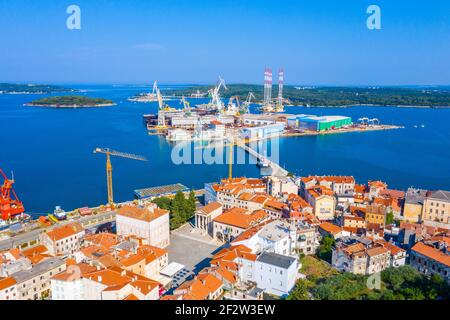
(14, 88)
(71, 102)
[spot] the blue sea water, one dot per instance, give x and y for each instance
(50, 150)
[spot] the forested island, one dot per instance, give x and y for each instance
(71, 102)
(336, 96)
(13, 88)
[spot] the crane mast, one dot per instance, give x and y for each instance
(109, 180)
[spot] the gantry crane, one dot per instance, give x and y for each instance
(10, 205)
(109, 180)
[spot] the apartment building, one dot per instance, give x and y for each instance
(366, 256)
(431, 260)
(413, 206)
(277, 186)
(148, 222)
(376, 214)
(276, 274)
(274, 236)
(436, 208)
(339, 185)
(64, 240)
(323, 202)
(106, 284)
(34, 284)
(233, 222)
(8, 289)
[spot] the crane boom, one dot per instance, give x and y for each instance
(109, 180)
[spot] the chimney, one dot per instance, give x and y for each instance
(99, 279)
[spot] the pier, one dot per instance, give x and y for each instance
(277, 170)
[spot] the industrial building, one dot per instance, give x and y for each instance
(262, 132)
(315, 123)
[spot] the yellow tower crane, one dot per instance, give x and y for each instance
(109, 180)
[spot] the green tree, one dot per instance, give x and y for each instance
(390, 218)
(191, 201)
(300, 291)
(326, 246)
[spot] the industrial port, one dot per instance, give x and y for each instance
(220, 120)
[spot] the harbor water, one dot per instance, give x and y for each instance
(51, 150)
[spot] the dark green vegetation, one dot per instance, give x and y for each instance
(325, 249)
(404, 283)
(31, 88)
(181, 208)
(337, 96)
(71, 101)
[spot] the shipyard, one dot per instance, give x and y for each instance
(221, 120)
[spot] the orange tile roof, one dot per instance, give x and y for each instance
(210, 207)
(318, 191)
(151, 253)
(329, 227)
(432, 253)
(275, 204)
(375, 251)
(250, 232)
(132, 260)
(131, 297)
(65, 231)
(141, 213)
(106, 239)
(239, 217)
(7, 282)
(337, 179)
(391, 247)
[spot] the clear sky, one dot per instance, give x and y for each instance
(318, 42)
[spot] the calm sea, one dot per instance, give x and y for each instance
(50, 150)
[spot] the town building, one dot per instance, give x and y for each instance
(365, 255)
(106, 284)
(234, 221)
(34, 283)
(148, 222)
(276, 274)
(376, 214)
(413, 207)
(64, 240)
(204, 216)
(273, 236)
(430, 260)
(436, 209)
(323, 202)
(8, 289)
(277, 186)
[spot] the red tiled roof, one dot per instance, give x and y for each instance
(432, 253)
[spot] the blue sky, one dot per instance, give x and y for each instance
(318, 42)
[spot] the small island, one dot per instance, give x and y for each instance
(71, 102)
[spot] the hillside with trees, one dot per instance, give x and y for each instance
(336, 96)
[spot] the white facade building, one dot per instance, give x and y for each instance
(149, 222)
(276, 274)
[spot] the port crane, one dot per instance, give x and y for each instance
(216, 103)
(246, 105)
(109, 180)
(161, 115)
(186, 105)
(10, 205)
